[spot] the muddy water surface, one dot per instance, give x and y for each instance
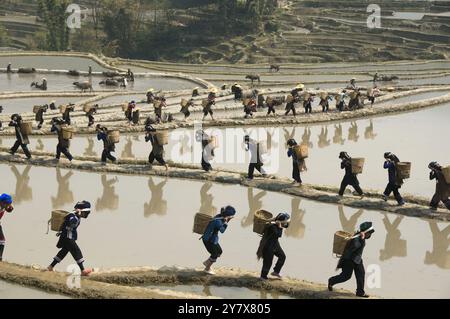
(148, 221)
(51, 63)
(12, 291)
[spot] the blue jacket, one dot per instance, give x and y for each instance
(212, 230)
(69, 227)
(392, 171)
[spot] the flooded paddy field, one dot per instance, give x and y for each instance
(22, 105)
(12, 291)
(51, 62)
(154, 206)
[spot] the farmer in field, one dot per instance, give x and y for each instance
(150, 96)
(66, 114)
(40, 116)
(256, 162)
(90, 115)
(5, 206)
(351, 260)
(349, 178)
(21, 139)
(207, 150)
(210, 237)
(63, 143)
(269, 246)
(157, 152)
(185, 108)
(8, 68)
(207, 109)
(395, 182)
(68, 236)
(129, 112)
(442, 192)
(298, 164)
(108, 145)
(195, 92)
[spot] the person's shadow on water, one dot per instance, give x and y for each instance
(254, 204)
(206, 200)
(24, 192)
(109, 199)
(440, 255)
(157, 205)
(64, 194)
(296, 228)
(349, 224)
(394, 246)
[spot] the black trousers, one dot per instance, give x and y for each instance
(340, 106)
(24, 148)
(348, 267)
(252, 167)
(371, 99)
(296, 172)
(152, 157)
(325, 107)
(205, 165)
(106, 154)
(271, 109)
(352, 182)
(214, 249)
(186, 114)
(436, 199)
(91, 120)
(391, 187)
(290, 108)
(308, 108)
(69, 246)
(40, 123)
(64, 150)
(268, 260)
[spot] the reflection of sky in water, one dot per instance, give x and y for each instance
(12, 291)
(149, 221)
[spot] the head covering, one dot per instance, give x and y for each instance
(196, 88)
(246, 138)
(150, 90)
(434, 165)
(284, 219)
(366, 227)
(343, 155)
(291, 142)
(300, 86)
(6, 198)
(84, 206)
(238, 86)
(227, 211)
(213, 90)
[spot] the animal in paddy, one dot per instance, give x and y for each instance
(253, 78)
(84, 86)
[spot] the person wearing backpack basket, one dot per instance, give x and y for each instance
(68, 236)
(5, 206)
(211, 235)
(351, 260)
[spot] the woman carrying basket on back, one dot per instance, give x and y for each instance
(211, 235)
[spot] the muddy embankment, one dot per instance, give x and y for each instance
(415, 207)
(114, 118)
(122, 282)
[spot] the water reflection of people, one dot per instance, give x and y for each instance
(109, 199)
(64, 195)
(24, 192)
(270, 142)
(369, 134)
(349, 224)
(287, 135)
(440, 256)
(89, 151)
(206, 200)
(207, 291)
(296, 227)
(157, 204)
(185, 148)
(128, 149)
(323, 138)
(353, 132)
(254, 204)
(306, 137)
(39, 145)
(394, 246)
(337, 138)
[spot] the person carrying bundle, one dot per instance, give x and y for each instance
(207, 108)
(298, 164)
(236, 89)
(185, 105)
(1, 124)
(90, 114)
(63, 143)
(21, 139)
(68, 236)
(5, 207)
(256, 162)
(270, 102)
(340, 100)
(324, 102)
(210, 237)
(108, 145)
(195, 92)
(207, 150)
(249, 107)
(269, 246)
(307, 103)
(40, 116)
(157, 152)
(349, 178)
(8, 68)
(150, 96)
(66, 114)
(158, 104)
(395, 182)
(52, 105)
(129, 112)
(442, 192)
(351, 260)
(371, 94)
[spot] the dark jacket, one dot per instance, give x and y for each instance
(22, 138)
(349, 176)
(269, 241)
(61, 141)
(392, 173)
(442, 188)
(211, 233)
(107, 144)
(40, 114)
(354, 251)
(157, 150)
(69, 227)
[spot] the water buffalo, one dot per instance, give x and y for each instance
(253, 77)
(110, 74)
(83, 86)
(26, 70)
(73, 72)
(274, 67)
(109, 82)
(42, 86)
